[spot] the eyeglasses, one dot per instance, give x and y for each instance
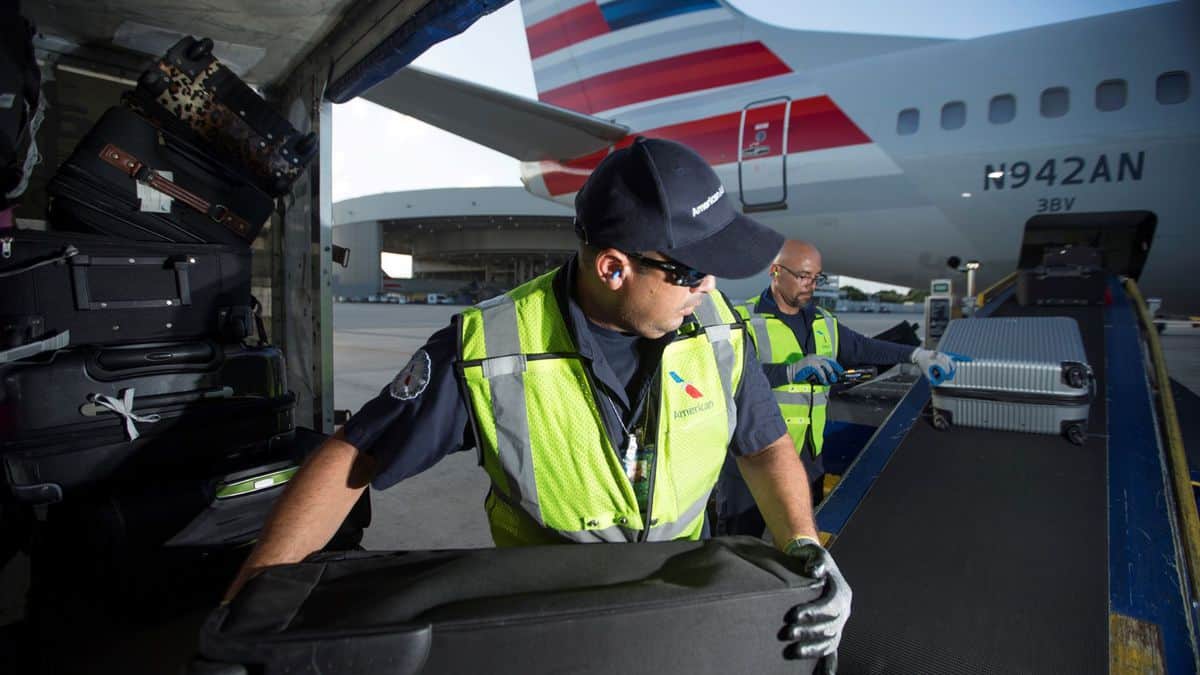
(805, 277)
(680, 275)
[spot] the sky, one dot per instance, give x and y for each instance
(376, 150)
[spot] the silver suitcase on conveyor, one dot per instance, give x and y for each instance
(1026, 374)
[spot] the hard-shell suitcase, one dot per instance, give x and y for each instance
(77, 418)
(1068, 275)
(713, 606)
(1026, 374)
(191, 94)
(66, 288)
(128, 179)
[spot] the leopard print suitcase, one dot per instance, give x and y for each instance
(190, 92)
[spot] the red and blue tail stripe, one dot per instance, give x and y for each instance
(815, 124)
(592, 19)
(717, 67)
(625, 13)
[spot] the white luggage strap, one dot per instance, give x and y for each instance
(50, 344)
(124, 407)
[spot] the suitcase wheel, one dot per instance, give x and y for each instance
(1076, 434)
(940, 420)
(154, 81)
(1075, 376)
(200, 49)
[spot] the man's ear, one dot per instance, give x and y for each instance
(611, 266)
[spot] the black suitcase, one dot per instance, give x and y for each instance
(48, 467)
(59, 433)
(191, 94)
(60, 389)
(714, 606)
(114, 181)
(1067, 275)
(91, 289)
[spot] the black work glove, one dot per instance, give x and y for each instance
(815, 629)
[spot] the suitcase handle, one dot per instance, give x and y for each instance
(158, 357)
(92, 409)
(137, 170)
(81, 264)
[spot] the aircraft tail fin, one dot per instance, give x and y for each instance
(607, 57)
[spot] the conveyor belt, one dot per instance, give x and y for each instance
(983, 551)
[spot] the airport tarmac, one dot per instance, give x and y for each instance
(442, 508)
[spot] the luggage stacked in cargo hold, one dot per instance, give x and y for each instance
(122, 330)
(145, 420)
(1067, 275)
(1025, 374)
(196, 157)
(712, 606)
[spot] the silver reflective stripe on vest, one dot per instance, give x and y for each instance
(762, 339)
(833, 336)
(505, 374)
(706, 312)
(801, 398)
(718, 333)
(609, 535)
(500, 334)
(671, 530)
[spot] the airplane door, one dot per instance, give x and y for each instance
(762, 154)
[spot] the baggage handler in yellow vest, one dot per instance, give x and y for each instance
(803, 348)
(602, 398)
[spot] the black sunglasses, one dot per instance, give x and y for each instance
(680, 275)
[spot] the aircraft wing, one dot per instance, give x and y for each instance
(516, 126)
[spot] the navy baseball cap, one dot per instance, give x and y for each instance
(659, 195)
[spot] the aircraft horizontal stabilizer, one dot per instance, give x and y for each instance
(525, 129)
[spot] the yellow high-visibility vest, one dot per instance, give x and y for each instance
(555, 475)
(802, 405)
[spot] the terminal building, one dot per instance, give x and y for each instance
(467, 243)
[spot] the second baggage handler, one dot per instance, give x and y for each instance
(802, 348)
(602, 397)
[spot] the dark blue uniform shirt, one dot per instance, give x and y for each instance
(410, 426)
(854, 348)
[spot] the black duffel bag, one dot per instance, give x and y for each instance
(714, 606)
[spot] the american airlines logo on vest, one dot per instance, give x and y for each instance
(691, 391)
(685, 413)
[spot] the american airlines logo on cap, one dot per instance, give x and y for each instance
(707, 203)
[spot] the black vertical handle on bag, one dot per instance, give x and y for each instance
(82, 265)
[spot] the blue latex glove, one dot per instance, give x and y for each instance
(815, 629)
(820, 368)
(937, 367)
